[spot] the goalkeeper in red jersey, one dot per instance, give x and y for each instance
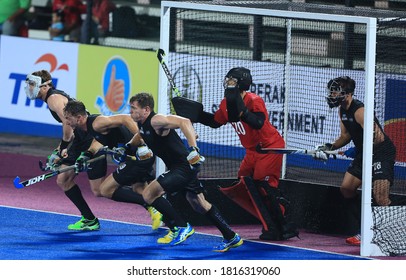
(257, 191)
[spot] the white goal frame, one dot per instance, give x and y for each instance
(367, 248)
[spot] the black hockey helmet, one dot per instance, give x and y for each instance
(242, 75)
(343, 85)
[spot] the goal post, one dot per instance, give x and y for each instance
(292, 54)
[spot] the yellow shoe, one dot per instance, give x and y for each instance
(167, 238)
(156, 217)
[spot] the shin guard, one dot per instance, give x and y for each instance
(276, 204)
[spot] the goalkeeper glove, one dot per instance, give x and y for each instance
(235, 104)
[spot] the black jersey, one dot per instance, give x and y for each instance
(117, 136)
(355, 129)
(52, 91)
(169, 148)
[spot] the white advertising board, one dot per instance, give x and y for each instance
(21, 56)
(311, 122)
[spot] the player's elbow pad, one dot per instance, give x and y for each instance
(255, 120)
(206, 118)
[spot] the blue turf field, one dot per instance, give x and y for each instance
(35, 235)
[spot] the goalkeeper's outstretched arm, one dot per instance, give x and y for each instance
(255, 120)
(207, 119)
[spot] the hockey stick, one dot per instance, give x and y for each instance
(42, 177)
(42, 166)
(261, 150)
(107, 151)
(104, 150)
(183, 106)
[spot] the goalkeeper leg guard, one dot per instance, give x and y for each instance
(276, 205)
(238, 193)
(246, 195)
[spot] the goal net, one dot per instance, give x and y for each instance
(292, 50)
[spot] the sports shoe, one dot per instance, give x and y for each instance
(85, 224)
(167, 238)
(181, 234)
(354, 240)
(226, 245)
(156, 217)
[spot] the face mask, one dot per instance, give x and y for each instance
(32, 85)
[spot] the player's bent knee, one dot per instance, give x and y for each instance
(150, 196)
(97, 193)
(107, 191)
(64, 184)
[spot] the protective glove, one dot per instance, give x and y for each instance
(320, 152)
(194, 157)
(120, 153)
(81, 163)
(351, 152)
(143, 152)
(235, 104)
(320, 155)
(52, 160)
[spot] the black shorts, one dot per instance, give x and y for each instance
(81, 143)
(180, 179)
(383, 162)
(131, 172)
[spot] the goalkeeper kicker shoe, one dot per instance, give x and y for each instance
(156, 217)
(226, 245)
(85, 224)
(181, 234)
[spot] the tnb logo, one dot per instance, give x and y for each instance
(19, 85)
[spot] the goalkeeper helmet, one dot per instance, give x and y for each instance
(337, 89)
(241, 75)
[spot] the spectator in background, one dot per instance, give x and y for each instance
(57, 26)
(72, 9)
(98, 25)
(12, 15)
